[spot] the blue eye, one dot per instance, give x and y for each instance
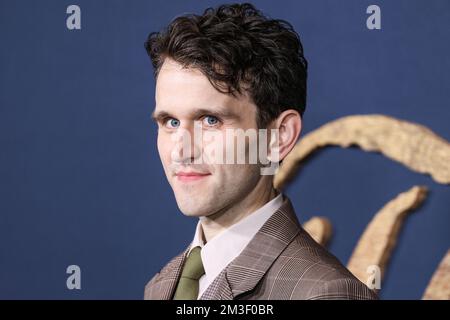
(210, 121)
(173, 123)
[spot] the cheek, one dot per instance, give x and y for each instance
(164, 147)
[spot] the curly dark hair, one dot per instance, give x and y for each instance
(238, 48)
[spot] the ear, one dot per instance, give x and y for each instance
(289, 126)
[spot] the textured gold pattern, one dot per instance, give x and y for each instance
(439, 286)
(413, 145)
(378, 240)
(319, 228)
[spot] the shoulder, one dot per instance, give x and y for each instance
(306, 270)
(150, 287)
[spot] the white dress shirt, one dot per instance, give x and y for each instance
(227, 245)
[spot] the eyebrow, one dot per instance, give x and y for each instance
(159, 116)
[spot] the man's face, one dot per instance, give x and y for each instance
(185, 98)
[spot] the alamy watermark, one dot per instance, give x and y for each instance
(74, 280)
(374, 278)
(232, 146)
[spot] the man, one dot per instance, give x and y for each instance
(232, 69)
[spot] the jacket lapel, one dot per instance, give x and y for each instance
(244, 272)
(162, 287)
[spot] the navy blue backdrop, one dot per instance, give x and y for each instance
(80, 177)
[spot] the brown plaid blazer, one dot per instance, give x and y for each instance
(282, 262)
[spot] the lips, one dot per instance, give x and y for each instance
(191, 176)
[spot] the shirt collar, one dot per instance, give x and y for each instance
(226, 246)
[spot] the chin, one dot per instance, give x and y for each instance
(192, 212)
(192, 208)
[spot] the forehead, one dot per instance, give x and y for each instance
(182, 90)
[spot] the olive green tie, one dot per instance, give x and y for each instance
(187, 288)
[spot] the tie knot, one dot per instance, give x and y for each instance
(193, 267)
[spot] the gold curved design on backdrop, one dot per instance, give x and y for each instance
(413, 145)
(319, 228)
(439, 286)
(378, 240)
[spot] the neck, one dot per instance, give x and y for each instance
(218, 222)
